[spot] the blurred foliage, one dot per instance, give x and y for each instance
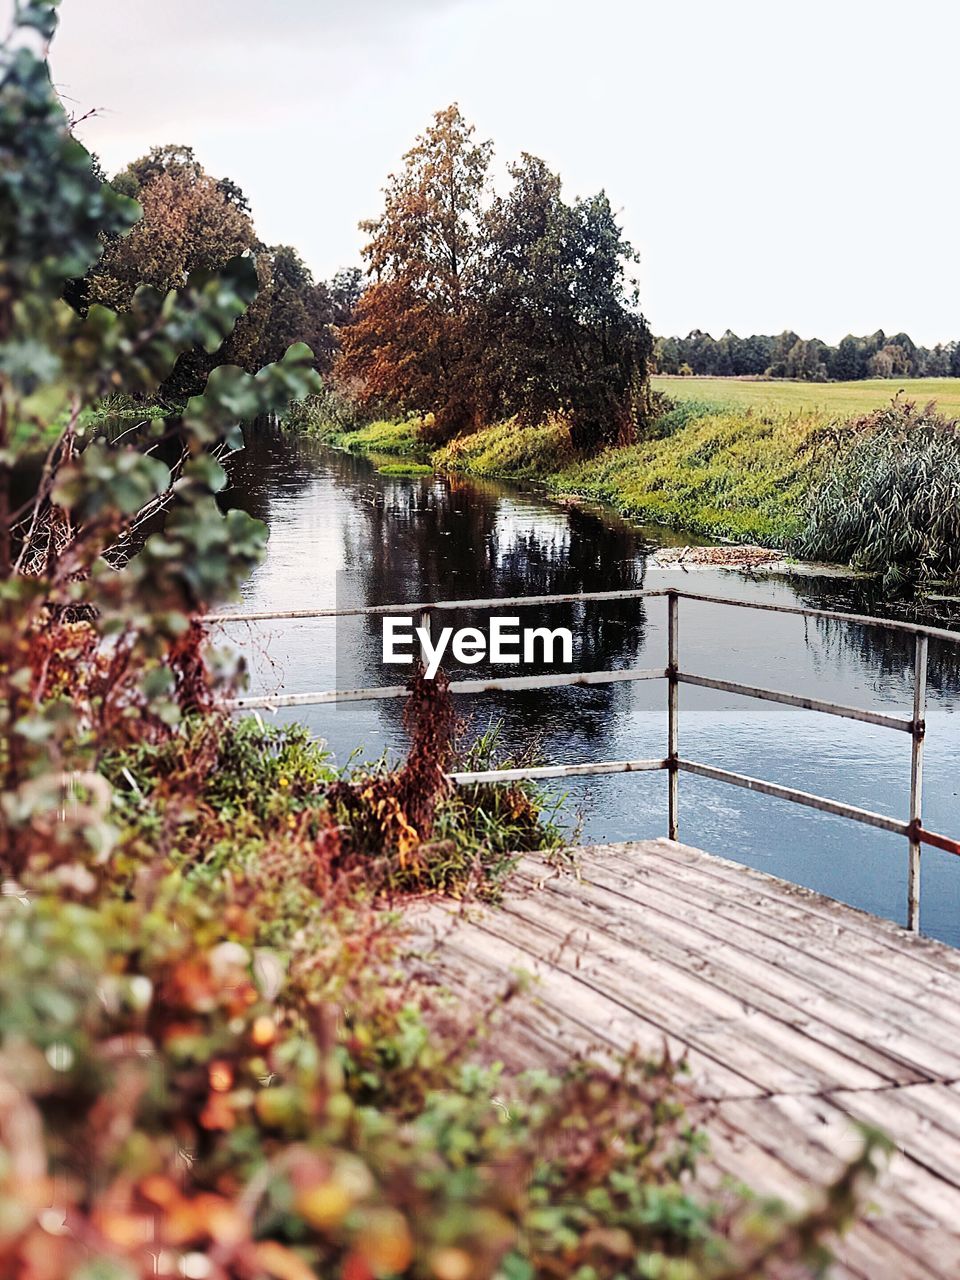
(96, 640)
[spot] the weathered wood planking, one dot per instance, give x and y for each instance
(797, 1016)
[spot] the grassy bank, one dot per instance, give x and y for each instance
(718, 473)
(734, 475)
(751, 466)
(399, 438)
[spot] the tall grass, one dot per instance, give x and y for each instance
(890, 504)
(735, 474)
(511, 451)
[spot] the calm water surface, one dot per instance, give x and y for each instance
(341, 534)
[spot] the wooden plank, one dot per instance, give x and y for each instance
(851, 962)
(774, 1055)
(814, 1139)
(916, 950)
(870, 959)
(606, 932)
(876, 1029)
(798, 1015)
(763, 1146)
(909, 1120)
(583, 1018)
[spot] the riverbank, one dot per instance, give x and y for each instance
(712, 471)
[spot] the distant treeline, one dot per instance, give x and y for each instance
(787, 355)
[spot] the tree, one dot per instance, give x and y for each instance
(667, 355)
(848, 362)
(562, 335)
(411, 342)
(191, 222)
(296, 309)
(345, 290)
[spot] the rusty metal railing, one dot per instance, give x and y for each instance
(673, 763)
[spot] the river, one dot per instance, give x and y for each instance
(342, 534)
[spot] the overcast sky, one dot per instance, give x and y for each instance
(776, 164)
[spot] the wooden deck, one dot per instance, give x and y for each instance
(795, 1013)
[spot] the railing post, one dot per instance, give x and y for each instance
(425, 617)
(918, 732)
(673, 715)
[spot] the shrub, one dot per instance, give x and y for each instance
(511, 450)
(330, 410)
(889, 503)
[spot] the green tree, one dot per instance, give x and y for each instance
(295, 309)
(848, 362)
(559, 319)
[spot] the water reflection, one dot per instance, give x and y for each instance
(342, 534)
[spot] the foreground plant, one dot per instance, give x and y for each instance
(72, 502)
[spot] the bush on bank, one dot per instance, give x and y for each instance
(889, 500)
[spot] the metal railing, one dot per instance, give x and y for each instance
(673, 763)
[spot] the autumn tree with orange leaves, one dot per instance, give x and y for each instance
(414, 341)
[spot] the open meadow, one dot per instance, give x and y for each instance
(835, 398)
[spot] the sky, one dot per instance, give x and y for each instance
(777, 165)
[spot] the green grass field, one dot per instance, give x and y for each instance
(842, 399)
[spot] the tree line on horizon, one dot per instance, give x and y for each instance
(787, 355)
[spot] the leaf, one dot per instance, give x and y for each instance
(282, 1263)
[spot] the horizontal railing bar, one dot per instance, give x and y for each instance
(506, 685)
(796, 700)
(536, 772)
(861, 619)
(378, 610)
(805, 798)
(519, 602)
(274, 702)
(937, 841)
